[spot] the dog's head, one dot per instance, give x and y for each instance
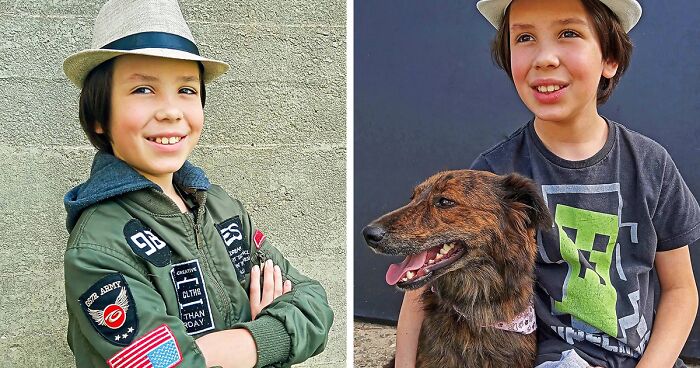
(458, 218)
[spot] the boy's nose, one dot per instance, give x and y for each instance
(169, 113)
(547, 57)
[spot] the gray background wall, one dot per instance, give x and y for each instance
(274, 137)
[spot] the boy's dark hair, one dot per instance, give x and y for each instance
(96, 103)
(615, 44)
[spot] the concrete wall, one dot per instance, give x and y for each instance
(274, 137)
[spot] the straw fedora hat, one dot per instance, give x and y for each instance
(139, 27)
(628, 11)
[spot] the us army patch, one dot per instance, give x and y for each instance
(109, 306)
(195, 311)
(232, 234)
(146, 244)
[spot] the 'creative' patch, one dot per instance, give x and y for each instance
(109, 306)
(195, 312)
(232, 234)
(146, 244)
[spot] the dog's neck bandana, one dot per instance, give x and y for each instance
(524, 323)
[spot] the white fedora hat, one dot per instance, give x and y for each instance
(628, 11)
(140, 27)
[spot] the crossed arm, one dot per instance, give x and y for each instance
(236, 348)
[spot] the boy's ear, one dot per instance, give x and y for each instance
(98, 128)
(609, 68)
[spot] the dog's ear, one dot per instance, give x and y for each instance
(521, 193)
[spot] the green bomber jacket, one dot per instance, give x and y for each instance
(144, 280)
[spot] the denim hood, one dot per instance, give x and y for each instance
(111, 177)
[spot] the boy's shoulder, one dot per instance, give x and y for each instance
(97, 223)
(491, 159)
(637, 141)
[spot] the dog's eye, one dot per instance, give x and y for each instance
(443, 202)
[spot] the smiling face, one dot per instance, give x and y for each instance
(156, 114)
(556, 59)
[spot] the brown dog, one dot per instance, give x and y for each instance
(470, 236)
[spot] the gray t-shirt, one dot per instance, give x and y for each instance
(595, 286)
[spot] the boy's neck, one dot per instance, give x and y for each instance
(166, 184)
(574, 140)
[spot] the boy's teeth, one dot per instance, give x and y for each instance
(546, 89)
(166, 140)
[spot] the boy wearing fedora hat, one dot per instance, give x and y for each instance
(622, 211)
(162, 267)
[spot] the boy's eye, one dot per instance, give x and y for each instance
(143, 90)
(524, 38)
(569, 34)
(188, 90)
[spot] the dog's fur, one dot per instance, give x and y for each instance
(495, 219)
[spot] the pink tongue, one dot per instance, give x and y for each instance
(397, 270)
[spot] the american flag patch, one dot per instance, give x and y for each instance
(156, 349)
(258, 238)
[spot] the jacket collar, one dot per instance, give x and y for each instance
(111, 177)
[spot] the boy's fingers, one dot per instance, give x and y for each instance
(287, 287)
(254, 291)
(268, 284)
(255, 284)
(278, 281)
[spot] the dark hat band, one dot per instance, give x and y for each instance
(153, 40)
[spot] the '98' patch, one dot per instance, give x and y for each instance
(109, 306)
(195, 311)
(146, 244)
(231, 232)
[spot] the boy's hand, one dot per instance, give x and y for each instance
(273, 286)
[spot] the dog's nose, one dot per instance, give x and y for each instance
(373, 235)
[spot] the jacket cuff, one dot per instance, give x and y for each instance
(271, 338)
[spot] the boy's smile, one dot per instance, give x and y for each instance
(156, 114)
(556, 59)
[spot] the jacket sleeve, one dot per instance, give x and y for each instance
(294, 326)
(114, 309)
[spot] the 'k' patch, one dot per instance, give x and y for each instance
(109, 306)
(146, 244)
(195, 311)
(232, 234)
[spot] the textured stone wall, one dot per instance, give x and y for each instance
(274, 137)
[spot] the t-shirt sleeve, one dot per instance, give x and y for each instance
(677, 215)
(481, 164)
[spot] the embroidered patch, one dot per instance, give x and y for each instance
(157, 349)
(195, 311)
(146, 244)
(232, 235)
(258, 238)
(109, 306)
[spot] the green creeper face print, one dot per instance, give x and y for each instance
(588, 291)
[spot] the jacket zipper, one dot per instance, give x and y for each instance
(219, 289)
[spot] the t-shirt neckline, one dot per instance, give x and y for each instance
(597, 157)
